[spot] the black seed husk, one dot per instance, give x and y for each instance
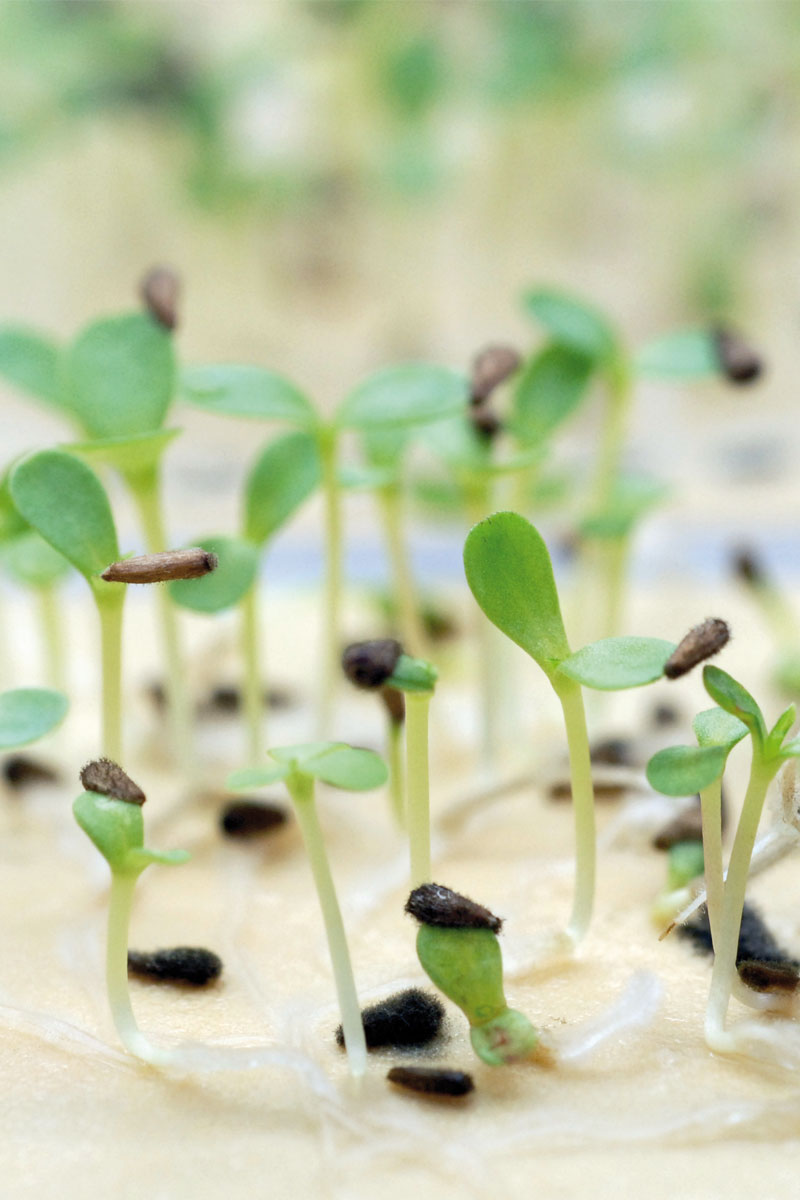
(19, 770)
(192, 965)
(432, 1081)
(251, 818)
(756, 942)
(700, 643)
(768, 976)
(405, 1020)
(109, 779)
(370, 664)
(434, 904)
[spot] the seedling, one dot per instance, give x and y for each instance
(458, 949)
(32, 562)
(109, 812)
(340, 766)
(369, 665)
(683, 770)
(510, 575)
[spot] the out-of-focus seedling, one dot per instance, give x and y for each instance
(369, 665)
(355, 770)
(33, 563)
(26, 714)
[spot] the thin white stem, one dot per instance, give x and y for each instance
(580, 767)
(253, 684)
(119, 915)
(331, 648)
(711, 808)
(418, 814)
(110, 608)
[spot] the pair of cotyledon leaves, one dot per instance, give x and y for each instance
(334, 763)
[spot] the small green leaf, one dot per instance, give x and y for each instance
(634, 496)
(685, 770)
(128, 455)
(115, 826)
(32, 561)
(223, 587)
(619, 662)
(572, 322)
(781, 727)
(715, 727)
(64, 500)
(253, 777)
(550, 388)
(119, 376)
(413, 675)
(730, 695)
(685, 863)
(791, 749)
(30, 362)
(143, 857)
(686, 354)
(29, 713)
(510, 575)
(348, 767)
(245, 391)
(405, 395)
(283, 476)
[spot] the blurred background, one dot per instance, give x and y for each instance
(348, 183)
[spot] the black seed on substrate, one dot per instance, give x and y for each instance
(602, 791)
(434, 904)
(109, 779)
(738, 362)
(192, 965)
(251, 818)
(432, 1081)
(700, 643)
(405, 1020)
(617, 752)
(370, 664)
(19, 770)
(755, 940)
(768, 976)
(491, 367)
(664, 714)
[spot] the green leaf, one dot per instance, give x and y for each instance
(119, 376)
(613, 664)
(254, 777)
(510, 575)
(384, 447)
(64, 500)
(413, 675)
(143, 857)
(791, 749)
(405, 395)
(686, 354)
(715, 727)
(685, 863)
(550, 388)
(572, 322)
(736, 700)
(29, 713)
(283, 476)
(348, 767)
(633, 497)
(30, 362)
(245, 391)
(115, 826)
(458, 444)
(128, 455)
(224, 587)
(302, 751)
(685, 770)
(781, 727)
(32, 561)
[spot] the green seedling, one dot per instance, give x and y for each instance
(416, 679)
(684, 770)
(458, 949)
(395, 397)
(339, 766)
(109, 811)
(64, 501)
(510, 575)
(369, 665)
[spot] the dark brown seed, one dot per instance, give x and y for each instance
(433, 904)
(160, 292)
(665, 714)
(485, 421)
(738, 362)
(756, 941)
(768, 976)
(370, 664)
(395, 704)
(748, 568)
(251, 818)
(407, 1019)
(181, 964)
(602, 791)
(490, 368)
(616, 752)
(432, 1081)
(163, 567)
(700, 643)
(158, 695)
(19, 770)
(687, 826)
(105, 777)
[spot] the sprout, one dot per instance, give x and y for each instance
(340, 766)
(109, 812)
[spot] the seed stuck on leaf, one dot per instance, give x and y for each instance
(160, 292)
(432, 1081)
(109, 779)
(434, 904)
(490, 368)
(407, 1019)
(370, 664)
(163, 567)
(700, 643)
(738, 362)
(181, 964)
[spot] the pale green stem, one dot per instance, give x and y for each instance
(418, 816)
(711, 808)
(580, 767)
(726, 946)
(410, 625)
(145, 488)
(333, 581)
(394, 747)
(123, 885)
(52, 635)
(479, 501)
(615, 553)
(253, 687)
(301, 789)
(110, 606)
